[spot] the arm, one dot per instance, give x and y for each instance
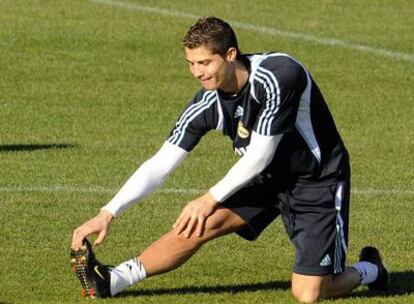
(149, 176)
(146, 179)
(259, 154)
(198, 118)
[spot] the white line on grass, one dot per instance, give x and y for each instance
(99, 189)
(267, 30)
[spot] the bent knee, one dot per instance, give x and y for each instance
(306, 295)
(310, 289)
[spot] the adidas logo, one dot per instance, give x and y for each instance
(326, 261)
(239, 112)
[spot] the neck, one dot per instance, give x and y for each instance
(238, 79)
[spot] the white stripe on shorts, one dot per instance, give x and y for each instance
(340, 243)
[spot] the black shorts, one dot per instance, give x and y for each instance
(315, 218)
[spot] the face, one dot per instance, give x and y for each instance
(212, 70)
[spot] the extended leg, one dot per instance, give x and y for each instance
(165, 254)
(172, 250)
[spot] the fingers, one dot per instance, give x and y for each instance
(186, 225)
(193, 217)
(190, 227)
(200, 225)
(97, 225)
(100, 238)
(181, 224)
(177, 222)
(182, 221)
(77, 238)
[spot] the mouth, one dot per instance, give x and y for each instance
(205, 79)
(208, 83)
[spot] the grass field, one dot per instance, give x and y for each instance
(90, 89)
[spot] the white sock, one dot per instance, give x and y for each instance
(368, 272)
(126, 274)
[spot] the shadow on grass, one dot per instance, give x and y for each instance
(33, 147)
(284, 285)
(401, 283)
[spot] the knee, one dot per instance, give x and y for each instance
(306, 295)
(223, 221)
(310, 289)
(193, 240)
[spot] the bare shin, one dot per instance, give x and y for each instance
(172, 250)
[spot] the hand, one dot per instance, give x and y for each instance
(194, 215)
(98, 225)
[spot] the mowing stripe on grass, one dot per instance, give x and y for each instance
(99, 189)
(267, 30)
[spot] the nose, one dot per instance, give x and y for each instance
(197, 70)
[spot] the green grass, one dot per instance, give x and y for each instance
(89, 91)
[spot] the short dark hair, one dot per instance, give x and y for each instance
(214, 33)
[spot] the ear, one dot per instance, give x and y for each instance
(231, 54)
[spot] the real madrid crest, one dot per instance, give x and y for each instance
(242, 131)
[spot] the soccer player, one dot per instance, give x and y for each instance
(293, 164)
